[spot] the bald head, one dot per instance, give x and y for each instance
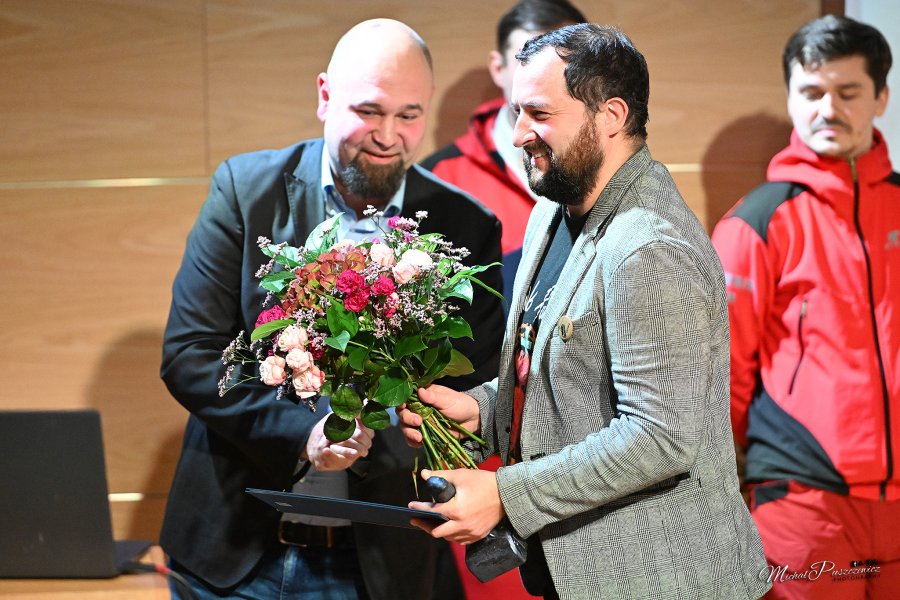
(378, 44)
(373, 102)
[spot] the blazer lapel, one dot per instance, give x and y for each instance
(304, 192)
(584, 251)
(530, 257)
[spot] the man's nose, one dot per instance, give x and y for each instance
(522, 133)
(828, 106)
(385, 134)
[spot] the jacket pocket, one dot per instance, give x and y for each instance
(801, 343)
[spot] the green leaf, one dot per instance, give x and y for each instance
(468, 274)
(454, 327)
(324, 235)
(430, 237)
(325, 390)
(469, 271)
(442, 354)
(490, 289)
(340, 319)
(374, 416)
(393, 388)
(346, 403)
(408, 345)
(458, 365)
(284, 255)
(277, 282)
(338, 342)
(337, 429)
(462, 289)
(267, 329)
(357, 357)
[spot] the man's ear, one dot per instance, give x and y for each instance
(615, 117)
(324, 94)
(882, 101)
(495, 67)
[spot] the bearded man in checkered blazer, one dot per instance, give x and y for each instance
(611, 410)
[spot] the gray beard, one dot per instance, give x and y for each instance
(374, 182)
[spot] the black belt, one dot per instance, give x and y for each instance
(313, 536)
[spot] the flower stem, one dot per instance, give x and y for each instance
(442, 448)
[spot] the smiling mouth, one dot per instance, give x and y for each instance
(381, 157)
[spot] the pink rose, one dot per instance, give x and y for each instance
(273, 314)
(383, 286)
(405, 272)
(309, 382)
(298, 360)
(393, 222)
(411, 264)
(350, 281)
(271, 370)
(357, 301)
(292, 337)
(382, 255)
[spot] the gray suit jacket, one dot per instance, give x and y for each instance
(628, 472)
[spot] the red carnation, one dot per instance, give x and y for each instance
(357, 300)
(384, 286)
(350, 282)
(273, 314)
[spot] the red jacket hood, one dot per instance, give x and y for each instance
(831, 179)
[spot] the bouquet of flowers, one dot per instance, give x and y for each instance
(366, 324)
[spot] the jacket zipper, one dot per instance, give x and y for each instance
(802, 345)
(884, 387)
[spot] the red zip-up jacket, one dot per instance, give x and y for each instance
(813, 273)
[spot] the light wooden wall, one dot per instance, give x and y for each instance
(114, 113)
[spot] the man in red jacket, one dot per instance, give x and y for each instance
(483, 161)
(812, 260)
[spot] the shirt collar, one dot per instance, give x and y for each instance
(351, 227)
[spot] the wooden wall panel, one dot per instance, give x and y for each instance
(85, 294)
(264, 58)
(107, 88)
(717, 96)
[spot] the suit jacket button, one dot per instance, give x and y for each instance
(566, 328)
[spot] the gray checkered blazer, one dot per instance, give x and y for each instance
(628, 472)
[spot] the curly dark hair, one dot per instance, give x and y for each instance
(601, 63)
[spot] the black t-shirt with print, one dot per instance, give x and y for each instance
(552, 263)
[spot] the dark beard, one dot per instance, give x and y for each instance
(373, 182)
(572, 175)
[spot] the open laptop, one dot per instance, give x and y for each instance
(54, 504)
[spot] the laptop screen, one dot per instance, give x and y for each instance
(54, 506)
